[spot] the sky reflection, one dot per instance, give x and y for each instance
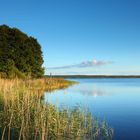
(115, 100)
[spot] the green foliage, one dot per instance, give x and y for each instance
(19, 53)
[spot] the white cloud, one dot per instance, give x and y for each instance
(84, 64)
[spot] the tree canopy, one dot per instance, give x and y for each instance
(20, 54)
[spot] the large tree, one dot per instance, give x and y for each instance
(19, 53)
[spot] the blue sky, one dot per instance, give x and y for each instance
(80, 36)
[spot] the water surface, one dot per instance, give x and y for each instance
(117, 101)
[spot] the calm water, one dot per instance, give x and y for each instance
(117, 101)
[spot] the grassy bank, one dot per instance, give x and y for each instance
(42, 84)
(25, 115)
(49, 84)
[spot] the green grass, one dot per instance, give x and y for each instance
(24, 115)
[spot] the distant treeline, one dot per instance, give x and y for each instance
(96, 76)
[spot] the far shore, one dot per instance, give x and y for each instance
(95, 76)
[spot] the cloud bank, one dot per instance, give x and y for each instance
(84, 64)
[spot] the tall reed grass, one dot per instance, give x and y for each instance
(24, 115)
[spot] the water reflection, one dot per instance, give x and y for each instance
(94, 91)
(115, 100)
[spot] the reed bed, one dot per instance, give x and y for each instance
(24, 115)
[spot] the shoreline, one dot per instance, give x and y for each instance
(95, 76)
(47, 84)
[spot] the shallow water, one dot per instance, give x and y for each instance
(117, 101)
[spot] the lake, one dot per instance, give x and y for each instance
(117, 101)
